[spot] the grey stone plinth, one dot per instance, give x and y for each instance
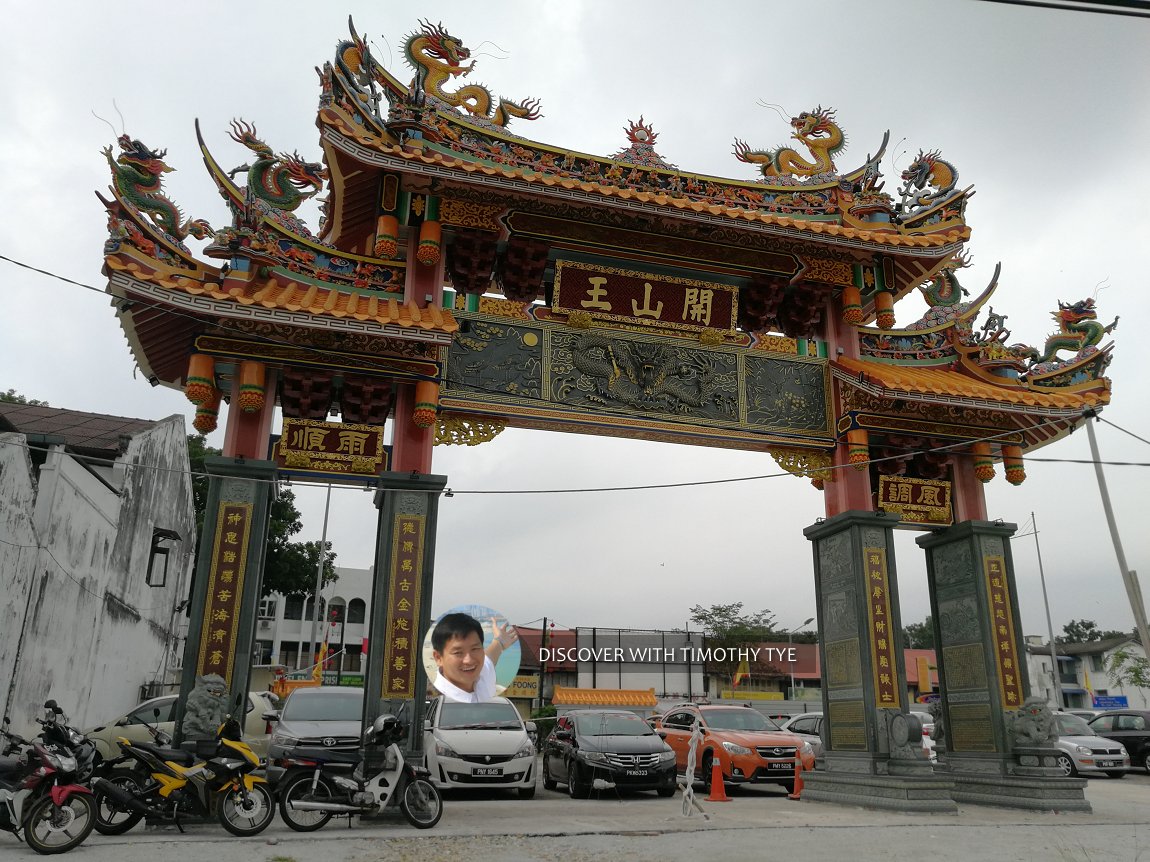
(931, 794)
(1035, 761)
(1019, 791)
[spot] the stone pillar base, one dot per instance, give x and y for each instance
(1018, 791)
(890, 792)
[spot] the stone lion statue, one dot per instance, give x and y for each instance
(1033, 724)
(207, 707)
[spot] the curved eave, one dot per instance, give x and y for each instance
(953, 388)
(305, 305)
(149, 229)
(228, 189)
(373, 152)
(970, 313)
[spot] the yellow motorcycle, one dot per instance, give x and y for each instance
(170, 784)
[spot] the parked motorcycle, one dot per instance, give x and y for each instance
(40, 799)
(58, 733)
(324, 783)
(173, 783)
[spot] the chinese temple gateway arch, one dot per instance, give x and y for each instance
(464, 279)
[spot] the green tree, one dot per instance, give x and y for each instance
(1129, 670)
(13, 397)
(727, 627)
(289, 567)
(919, 635)
(1085, 632)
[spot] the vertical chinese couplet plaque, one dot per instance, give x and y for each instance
(220, 628)
(883, 657)
(401, 653)
(1005, 647)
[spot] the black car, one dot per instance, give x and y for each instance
(618, 747)
(1131, 727)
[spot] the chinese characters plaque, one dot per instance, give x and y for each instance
(653, 300)
(326, 449)
(225, 590)
(401, 650)
(881, 633)
(1002, 620)
(925, 502)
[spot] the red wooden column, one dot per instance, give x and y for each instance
(411, 445)
(247, 434)
(851, 488)
(969, 492)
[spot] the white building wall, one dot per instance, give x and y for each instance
(92, 630)
(1101, 682)
(19, 551)
(351, 584)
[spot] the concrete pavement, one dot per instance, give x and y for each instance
(759, 823)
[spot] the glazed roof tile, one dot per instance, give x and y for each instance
(604, 697)
(293, 296)
(935, 381)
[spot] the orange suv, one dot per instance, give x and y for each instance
(747, 745)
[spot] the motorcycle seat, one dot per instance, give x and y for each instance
(176, 755)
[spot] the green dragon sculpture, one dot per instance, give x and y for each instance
(643, 376)
(437, 56)
(817, 131)
(138, 178)
(1078, 330)
(278, 180)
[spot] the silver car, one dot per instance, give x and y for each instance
(322, 717)
(807, 726)
(479, 746)
(1084, 751)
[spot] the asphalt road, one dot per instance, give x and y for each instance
(759, 822)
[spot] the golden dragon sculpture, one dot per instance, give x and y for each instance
(817, 131)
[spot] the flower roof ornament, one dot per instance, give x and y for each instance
(641, 150)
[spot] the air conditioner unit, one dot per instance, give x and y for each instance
(265, 624)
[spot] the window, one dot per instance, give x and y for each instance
(262, 653)
(355, 610)
(1096, 663)
(1131, 722)
(1103, 724)
(309, 612)
(680, 719)
(267, 609)
(163, 541)
(293, 608)
(146, 713)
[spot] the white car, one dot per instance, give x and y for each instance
(479, 745)
(808, 725)
(1081, 750)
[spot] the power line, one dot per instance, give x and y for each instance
(1128, 8)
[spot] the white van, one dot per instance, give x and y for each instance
(479, 745)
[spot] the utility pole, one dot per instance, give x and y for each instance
(1129, 578)
(315, 615)
(1060, 703)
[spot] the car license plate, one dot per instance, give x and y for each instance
(487, 770)
(636, 773)
(781, 765)
(1103, 764)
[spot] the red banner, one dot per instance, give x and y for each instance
(663, 301)
(225, 591)
(919, 501)
(881, 630)
(1005, 646)
(404, 583)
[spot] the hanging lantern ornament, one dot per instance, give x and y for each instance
(387, 237)
(884, 308)
(201, 380)
(852, 306)
(430, 237)
(207, 413)
(426, 403)
(251, 397)
(1012, 460)
(983, 462)
(858, 448)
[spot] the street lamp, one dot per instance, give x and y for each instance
(791, 655)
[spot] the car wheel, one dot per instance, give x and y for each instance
(1146, 761)
(576, 786)
(706, 768)
(1067, 766)
(1116, 773)
(549, 783)
(665, 792)
(527, 792)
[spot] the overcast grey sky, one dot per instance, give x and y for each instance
(1044, 111)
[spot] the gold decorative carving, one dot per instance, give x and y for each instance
(711, 337)
(297, 459)
(503, 308)
(453, 211)
(340, 341)
(805, 463)
(835, 272)
(580, 319)
(466, 431)
(777, 344)
(857, 399)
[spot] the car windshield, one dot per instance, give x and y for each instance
(737, 719)
(612, 724)
(1072, 725)
(324, 705)
(473, 716)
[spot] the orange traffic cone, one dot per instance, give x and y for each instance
(718, 791)
(798, 779)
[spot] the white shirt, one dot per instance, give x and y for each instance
(484, 686)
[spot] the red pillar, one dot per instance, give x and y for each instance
(248, 434)
(851, 488)
(969, 492)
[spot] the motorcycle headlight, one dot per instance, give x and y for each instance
(733, 748)
(67, 764)
(666, 756)
(75, 738)
(442, 749)
(527, 750)
(594, 756)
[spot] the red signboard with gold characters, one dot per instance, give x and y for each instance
(1005, 646)
(608, 293)
(327, 450)
(881, 633)
(225, 590)
(401, 652)
(919, 501)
